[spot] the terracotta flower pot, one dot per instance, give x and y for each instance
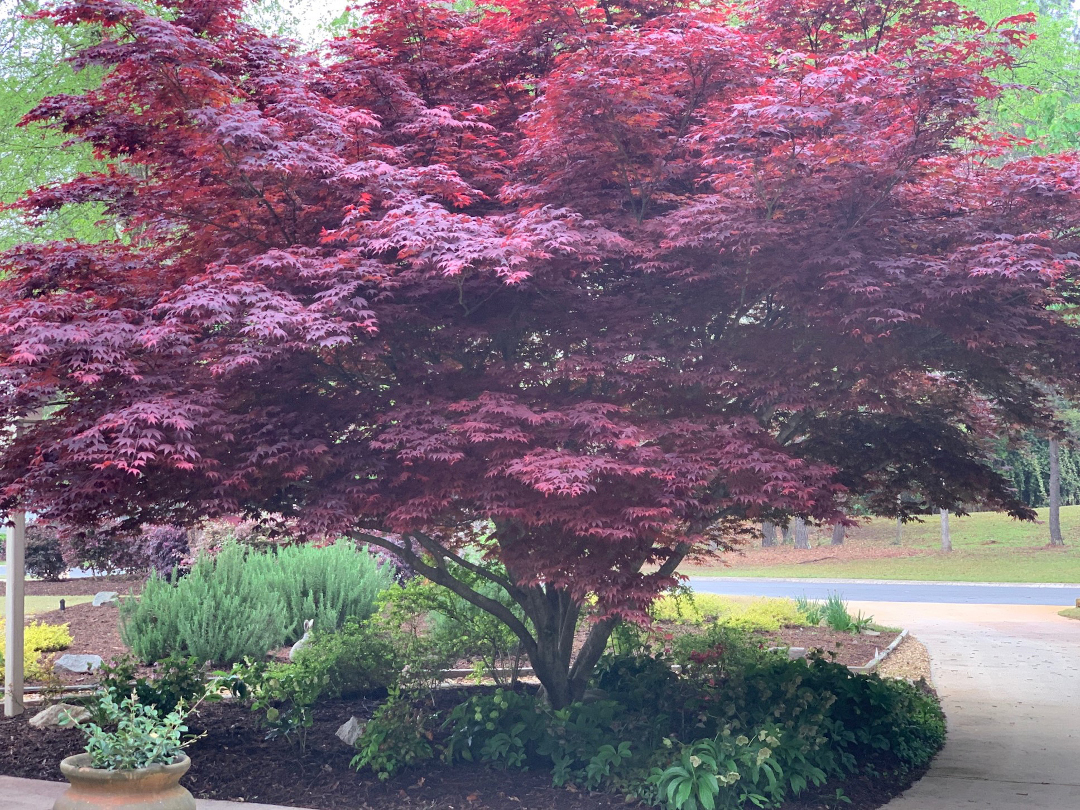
(152, 788)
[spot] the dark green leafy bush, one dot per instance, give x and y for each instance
(737, 727)
(435, 628)
(355, 660)
(284, 693)
(44, 558)
(177, 679)
(397, 736)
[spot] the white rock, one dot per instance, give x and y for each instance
(350, 731)
(78, 663)
(50, 717)
(796, 652)
(105, 598)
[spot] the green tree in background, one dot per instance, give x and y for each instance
(1043, 106)
(1044, 103)
(33, 64)
(1028, 465)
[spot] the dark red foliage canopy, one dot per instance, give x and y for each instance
(601, 274)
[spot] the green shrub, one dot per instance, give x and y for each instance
(284, 693)
(44, 557)
(717, 650)
(355, 660)
(396, 737)
(592, 744)
(328, 584)
(242, 603)
(837, 617)
(177, 680)
(753, 732)
(812, 610)
(431, 629)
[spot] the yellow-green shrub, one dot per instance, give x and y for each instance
(40, 639)
(706, 608)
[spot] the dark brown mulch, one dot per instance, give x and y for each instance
(235, 761)
(82, 586)
(849, 649)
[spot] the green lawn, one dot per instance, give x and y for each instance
(43, 604)
(981, 531)
(1070, 613)
(988, 547)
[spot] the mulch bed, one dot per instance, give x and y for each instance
(844, 648)
(94, 630)
(234, 761)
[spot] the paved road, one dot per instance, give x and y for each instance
(1009, 680)
(74, 573)
(880, 591)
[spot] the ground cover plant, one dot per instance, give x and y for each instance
(446, 282)
(39, 640)
(737, 726)
(744, 613)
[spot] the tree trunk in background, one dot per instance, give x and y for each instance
(802, 534)
(768, 534)
(1055, 494)
(838, 534)
(946, 538)
(899, 532)
(787, 533)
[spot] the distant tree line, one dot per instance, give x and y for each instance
(1028, 466)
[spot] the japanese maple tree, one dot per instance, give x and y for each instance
(599, 280)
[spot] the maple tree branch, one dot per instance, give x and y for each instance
(441, 576)
(677, 555)
(211, 223)
(441, 551)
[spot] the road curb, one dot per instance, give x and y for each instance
(874, 662)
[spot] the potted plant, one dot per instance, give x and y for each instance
(134, 762)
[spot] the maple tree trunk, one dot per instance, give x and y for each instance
(552, 613)
(802, 534)
(768, 534)
(838, 533)
(1055, 494)
(946, 538)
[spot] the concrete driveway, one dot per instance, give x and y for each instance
(1009, 679)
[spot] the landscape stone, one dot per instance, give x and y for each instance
(795, 653)
(350, 731)
(105, 598)
(50, 717)
(78, 663)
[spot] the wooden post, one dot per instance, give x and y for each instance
(14, 634)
